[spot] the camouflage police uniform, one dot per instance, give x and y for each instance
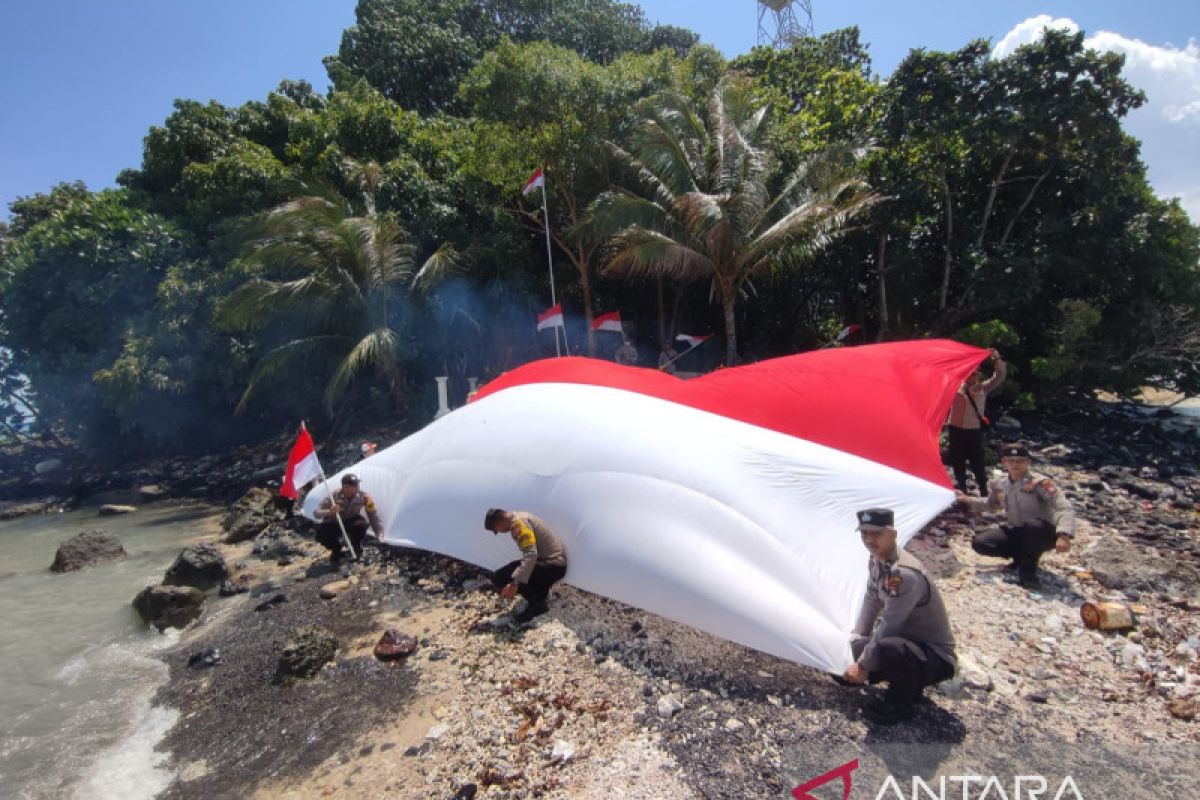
(1036, 513)
(358, 514)
(912, 646)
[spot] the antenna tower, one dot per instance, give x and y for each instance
(778, 25)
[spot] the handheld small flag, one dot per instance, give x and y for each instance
(608, 322)
(693, 341)
(302, 465)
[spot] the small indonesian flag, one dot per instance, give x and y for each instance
(538, 178)
(552, 317)
(302, 465)
(692, 341)
(846, 331)
(608, 322)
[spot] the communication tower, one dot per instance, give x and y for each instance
(778, 25)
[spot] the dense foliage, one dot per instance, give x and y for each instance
(276, 261)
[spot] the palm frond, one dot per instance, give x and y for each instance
(273, 362)
(377, 348)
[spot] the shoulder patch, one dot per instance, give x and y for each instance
(368, 503)
(523, 535)
(892, 584)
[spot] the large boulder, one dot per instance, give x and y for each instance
(306, 652)
(250, 515)
(168, 606)
(85, 549)
(198, 565)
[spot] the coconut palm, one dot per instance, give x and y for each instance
(347, 281)
(704, 201)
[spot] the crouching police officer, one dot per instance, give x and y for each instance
(543, 561)
(1038, 518)
(358, 513)
(912, 647)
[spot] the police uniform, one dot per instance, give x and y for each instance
(543, 561)
(1036, 514)
(912, 646)
(358, 513)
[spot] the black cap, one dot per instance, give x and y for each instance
(349, 479)
(492, 516)
(872, 518)
(1014, 450)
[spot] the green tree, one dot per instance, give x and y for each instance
(705, 202)
(74, 281)
(343, 279)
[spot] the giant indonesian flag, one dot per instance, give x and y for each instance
(726, 502)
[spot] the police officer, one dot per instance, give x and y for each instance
(1038, 517)
(912, 647)
(543, 561)
(357, 510)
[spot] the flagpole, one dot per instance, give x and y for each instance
(684, 353)
(550, 268)
(342, 525)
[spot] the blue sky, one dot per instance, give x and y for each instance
(83, 80)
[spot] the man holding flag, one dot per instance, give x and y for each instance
(341, 513)
(350, 511)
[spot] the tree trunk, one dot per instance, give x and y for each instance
(1028, 199)
(662, 312)
(881, 266)
(991, 200)
(728, 304)
(949, 244)
(585, 285)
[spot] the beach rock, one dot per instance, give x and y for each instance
(1184, 709)
(205, 658)
(49, 465)
(112, 510)
(234, 587)
(85, 549)
(15, 510)
(332, 590)
(668, 706)
(150, 492)
(168, 606)
(251, 515)
(306, 652)
(198, 565)
(393, 645)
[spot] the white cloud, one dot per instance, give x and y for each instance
(1168, 125)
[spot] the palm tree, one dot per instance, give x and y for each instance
(705, 201)
(344, 275)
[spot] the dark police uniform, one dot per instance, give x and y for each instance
(358, 513)
(1036, 513)
(912, 647)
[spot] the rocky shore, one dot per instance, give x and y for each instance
(599, 699)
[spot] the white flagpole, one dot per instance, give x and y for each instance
(684, 353)
(342, 525)
(550, 267)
